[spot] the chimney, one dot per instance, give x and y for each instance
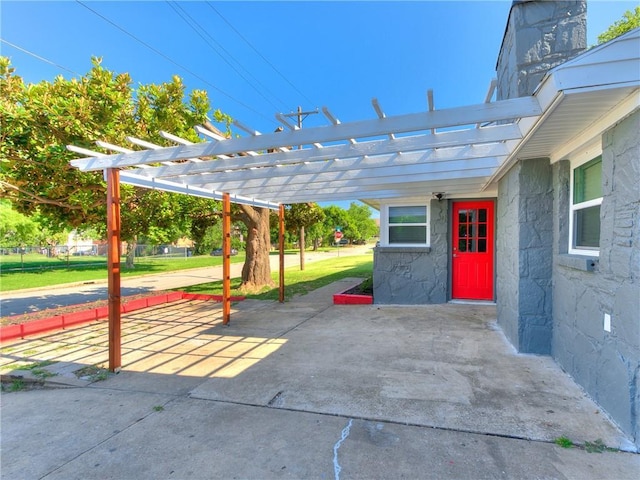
(539, 36)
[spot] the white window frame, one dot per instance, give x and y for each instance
(585, 156)
(385, 225)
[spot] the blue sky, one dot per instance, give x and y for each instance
(259, 58)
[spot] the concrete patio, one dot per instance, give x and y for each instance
(304, 389)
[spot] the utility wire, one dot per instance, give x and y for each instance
(191, 22)
(158, 52)
(260, 54)
(38, 57)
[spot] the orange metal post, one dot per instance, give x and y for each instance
(113, 267)
(226, 258)
(281, 247)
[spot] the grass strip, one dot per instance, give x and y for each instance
(299, 282)
(43, 277)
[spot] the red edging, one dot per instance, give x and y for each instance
(343, 298)
(10, 332)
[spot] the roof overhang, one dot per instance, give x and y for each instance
(580, 99)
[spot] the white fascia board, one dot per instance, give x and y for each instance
(481, 113)
(166, 186)
(441, 141)
(606, 75)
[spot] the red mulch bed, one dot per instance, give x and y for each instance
(54, 312)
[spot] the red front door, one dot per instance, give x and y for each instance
(472, 263)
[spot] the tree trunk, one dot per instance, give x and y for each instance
(131, 252)
(256, 272)
(302, 241)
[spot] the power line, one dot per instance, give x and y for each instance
(158, 52)
(191, 22)
(260, 54)
(39, 57)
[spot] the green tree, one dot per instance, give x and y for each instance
(299, 216)
(16, 229)
(362, 225)
(336, 217)
(39, 120)
(629, 21)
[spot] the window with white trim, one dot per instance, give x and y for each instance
(586, 198)
(405, 225)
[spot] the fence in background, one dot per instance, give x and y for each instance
(62, 256)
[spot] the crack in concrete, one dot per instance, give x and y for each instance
(345, 433)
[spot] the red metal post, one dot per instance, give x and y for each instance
(113, 267)
(281, 248)
(226, 258)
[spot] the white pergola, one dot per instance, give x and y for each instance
(372, 160)
(455, 151)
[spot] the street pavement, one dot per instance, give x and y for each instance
(33, 300)
(304, 389)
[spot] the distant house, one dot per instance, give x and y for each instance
(554, 237)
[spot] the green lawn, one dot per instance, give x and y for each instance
(315, 275)
(41, 271)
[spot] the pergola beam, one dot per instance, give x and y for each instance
(441, 141)
(174, 187)
(422, 121)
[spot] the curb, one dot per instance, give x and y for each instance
(60, 322)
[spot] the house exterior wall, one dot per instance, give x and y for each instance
(524, 253)
(539, 36)
(415, 275)
(605, 364)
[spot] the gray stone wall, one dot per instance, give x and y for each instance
(523, 265)
(605, 364)
(414, 275)
(507, 254)
(539, 36)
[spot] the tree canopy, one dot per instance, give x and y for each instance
(629, 21)
(39, 120)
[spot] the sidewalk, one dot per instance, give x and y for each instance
(304, 389)
(32, 300)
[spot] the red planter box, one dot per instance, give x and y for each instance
(10, 332)
(350, 299)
